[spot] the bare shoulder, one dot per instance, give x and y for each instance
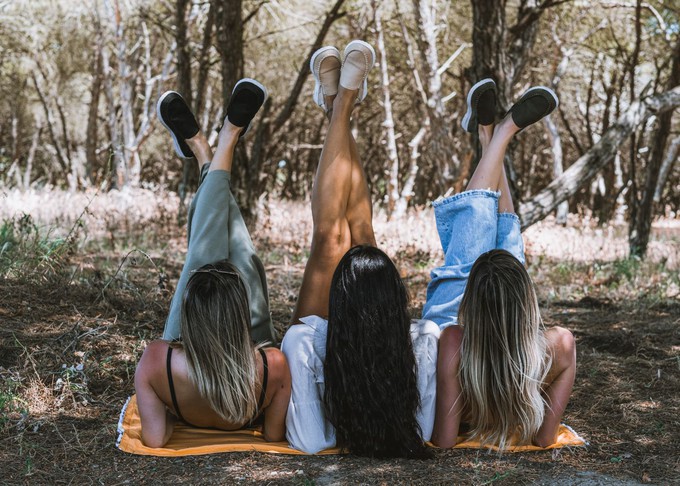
(277, 366)
(153, 356)
(561, 346)
(451, 338)
(450, 342)
(559, 339)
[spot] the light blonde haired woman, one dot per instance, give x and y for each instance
(208, 372)
(498, 371)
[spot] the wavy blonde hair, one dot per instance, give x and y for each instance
(503, 357)
(215, 330)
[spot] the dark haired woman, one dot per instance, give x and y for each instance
(363, 372)
(214, 376)
(499, 371)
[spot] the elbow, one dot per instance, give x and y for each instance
(544, 440)
(153, 442)
(443, 442)
(274, 436)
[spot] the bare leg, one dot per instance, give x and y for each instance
(217, 231)
(224, 154)
(359, 207)
(199, 146)
(488, 173)
(330, 200)
(505, 204)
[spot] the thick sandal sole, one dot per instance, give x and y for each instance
(175, 141)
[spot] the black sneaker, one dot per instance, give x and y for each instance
(535, 103)
(481, 105)
(176, 116)
(247, 98)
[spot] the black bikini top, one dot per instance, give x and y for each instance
(174, 396)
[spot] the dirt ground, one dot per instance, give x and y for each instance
(72, 329)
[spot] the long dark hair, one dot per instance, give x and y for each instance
(371, 394)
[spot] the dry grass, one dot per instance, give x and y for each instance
(70, 340)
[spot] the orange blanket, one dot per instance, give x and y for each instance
(191, 441)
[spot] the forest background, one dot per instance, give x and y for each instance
(93, 201)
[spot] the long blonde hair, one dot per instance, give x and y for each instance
(503, 356)
(215, 330)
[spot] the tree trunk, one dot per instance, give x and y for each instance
(671, 157)
(391, 145)
(189, 167)
(407, 191)
(641, 225)
(115, 141)
(633, 200)
(229, 44)
(91, 137)
(489, 48)
(64, 163)
(558, 165)
(441, 146)
(204, 64)
(29, 159)
(587, 166)
(500, 51)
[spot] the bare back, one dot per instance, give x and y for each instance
(155, 399)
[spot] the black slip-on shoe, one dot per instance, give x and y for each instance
(175, 115)
(247, 98)
(535, 103)
(481, 105)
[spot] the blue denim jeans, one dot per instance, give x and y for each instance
(468, 225)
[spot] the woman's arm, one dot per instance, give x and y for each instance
(274, 428)
(306, 426)
(449, 407)
(559, 383)
(157, 422)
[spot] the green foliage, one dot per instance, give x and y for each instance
(10, 401)
(27, 251)
(627, 268)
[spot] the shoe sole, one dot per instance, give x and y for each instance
(175, 141)
(468, 114)
(363, 90)
(317, 81)
(544, 88)
(266, 96)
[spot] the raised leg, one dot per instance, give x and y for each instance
(489, 170)
(359, 207)
(201, 149)
(468, 225)
(331, 196)
(217, 232)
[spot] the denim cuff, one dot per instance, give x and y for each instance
(483, 193)
(509, 235)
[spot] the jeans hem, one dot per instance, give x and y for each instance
(511, 216)
(475, 193)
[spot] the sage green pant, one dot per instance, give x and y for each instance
(216, 231)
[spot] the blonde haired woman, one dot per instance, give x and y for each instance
(207, 372)
(498, 371)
